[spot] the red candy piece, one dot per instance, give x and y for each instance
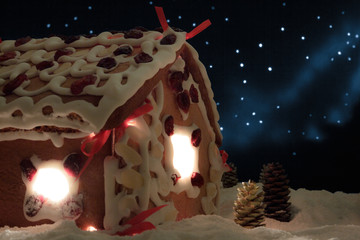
(196, 137)
(196, 179)
(22, 41)
(13, 84)
(44, 64)
(183, 101)
(169, 125)
(61, 52)
(7, 56)
(107, 63)
(175, 178)
(73, 164)
(78, 86)
(143, 58)
(28, 169)
(33, 204)
(168, 40)
(194, 95)
(175, 81)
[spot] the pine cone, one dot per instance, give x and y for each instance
(249, 207)
(229, 179)
(276, 192)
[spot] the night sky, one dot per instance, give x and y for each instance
(286, 74)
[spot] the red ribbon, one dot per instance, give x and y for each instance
(162, 19)
(137, 223)
(100, 139)
(224, 157)
(198, 29)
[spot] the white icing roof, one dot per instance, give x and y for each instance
(67, 60)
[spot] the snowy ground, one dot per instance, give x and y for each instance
(318, 215)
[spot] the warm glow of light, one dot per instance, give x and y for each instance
(131, 123)
(91, 229)
(91, 135)
(51, 183)
(184, 155)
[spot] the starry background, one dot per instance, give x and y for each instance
(286, 74)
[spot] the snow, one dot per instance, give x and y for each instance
(318, 215)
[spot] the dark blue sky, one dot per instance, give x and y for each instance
(286, 74)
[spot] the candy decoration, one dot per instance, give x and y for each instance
(224, 157)
(134, 33)
(143, 58)
(175, 81)
(28, 168)
(137, 223)
(169, 125)
(44, 64)
(7, 56)
(197, 180)
(123, 50)
(22, 41)
(162, 19)
(107, 63)
(72, 164)
(194, 95)
(198, 29)
(33, 204)
(78, 86)
(196, 137)
(183, 101)
(168, 40)
(15, 83)
(175, 178)
(61, 52)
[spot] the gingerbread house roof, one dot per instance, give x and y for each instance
(88, 83)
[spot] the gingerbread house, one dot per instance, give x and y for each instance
(101, 128)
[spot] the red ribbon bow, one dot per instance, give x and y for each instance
(162, 19)
(137, 223)
(100, 139)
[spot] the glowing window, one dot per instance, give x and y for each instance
(184, 155)
(51, 183)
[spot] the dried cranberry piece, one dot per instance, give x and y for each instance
(123, 50)
(183, 101)
(107, 63)
(186, 73)
(13, 84)
(134, 33)
(143, 58)
(175, 81)
(78, 86)
(175, 178)
(61, 52)
(22, 41)
(159, 29)
(73, 164)
(33, 204)
(72, 208)
(141, 28)
(44, 64)
(168, 39)
(196, 179)
(194, 95)
(7, 56)
(69, 39)
(196, 137)
(169, 125)
(28, 168)
(177, 29)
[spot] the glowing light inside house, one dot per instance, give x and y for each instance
(91, 229)
(51, 183)
(184, 155)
